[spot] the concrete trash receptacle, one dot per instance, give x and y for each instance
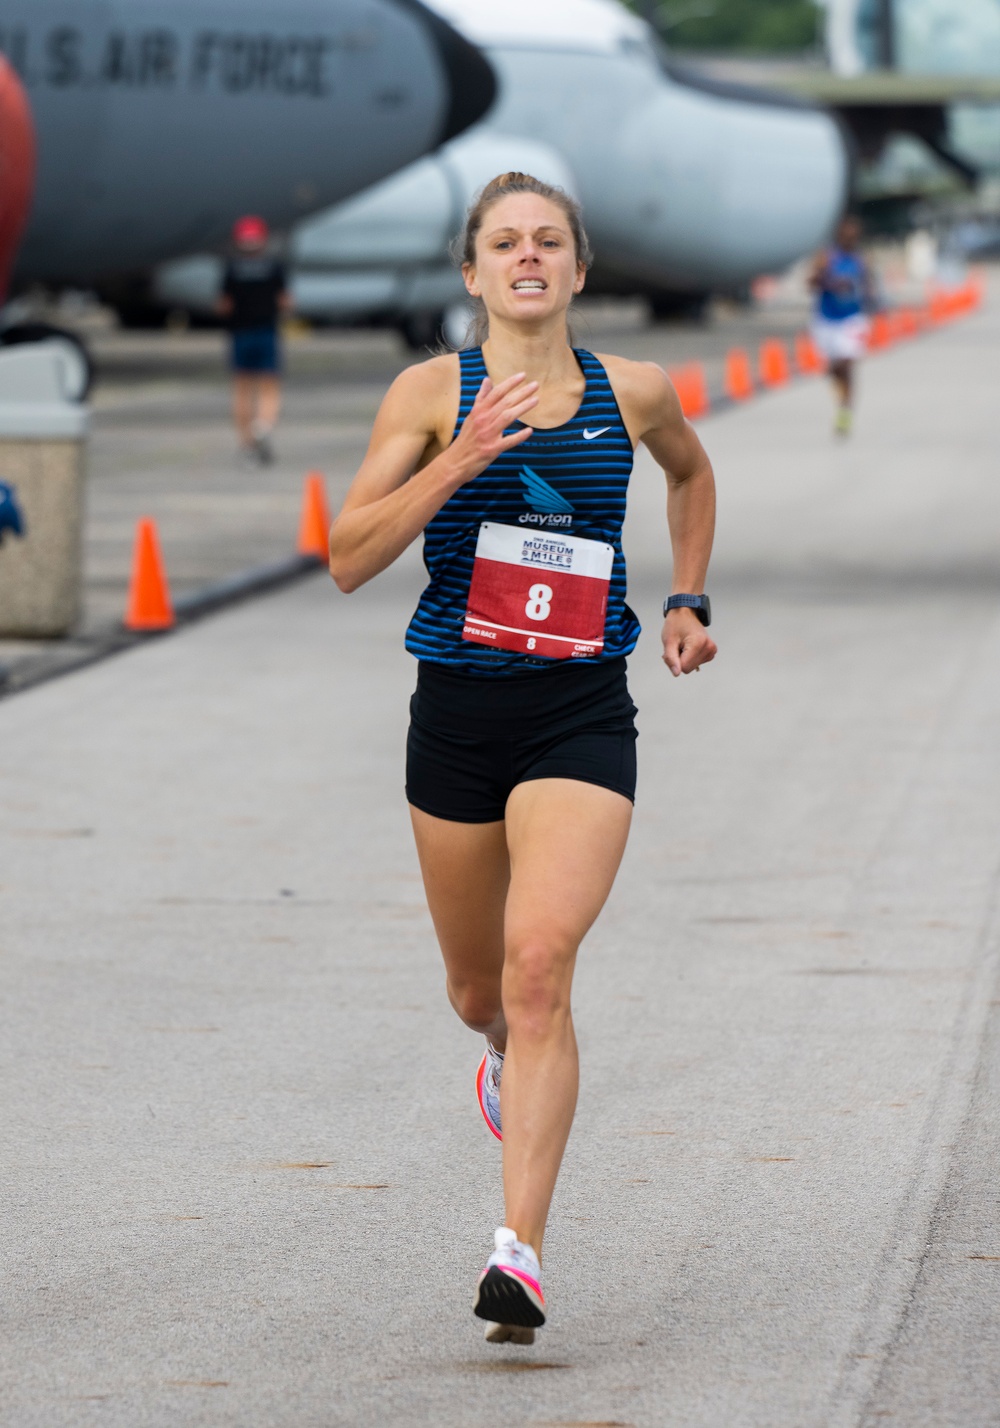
(42, 444)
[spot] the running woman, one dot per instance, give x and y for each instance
(521, 751)
(844, 295)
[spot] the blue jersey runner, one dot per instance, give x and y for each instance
(564, 491)
(843, 286)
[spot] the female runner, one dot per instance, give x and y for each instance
(521, 751)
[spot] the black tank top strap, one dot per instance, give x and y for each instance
(473, 370)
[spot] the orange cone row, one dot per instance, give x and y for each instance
(775, 367)
(149, 605)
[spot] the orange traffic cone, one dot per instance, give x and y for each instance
(697, 391)
(738, 378)
(149, 606)
(314, 526)
(880, 333)
(807, 357)
(691, 388)
(774, 370)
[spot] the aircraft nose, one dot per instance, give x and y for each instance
(472, 84)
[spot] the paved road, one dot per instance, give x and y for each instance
(246, 1179)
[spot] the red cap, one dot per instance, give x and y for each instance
(250, 230)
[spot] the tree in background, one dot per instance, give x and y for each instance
(761, 26)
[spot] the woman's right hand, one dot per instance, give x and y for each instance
(481, 438)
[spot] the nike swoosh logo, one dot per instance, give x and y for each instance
(589, 435)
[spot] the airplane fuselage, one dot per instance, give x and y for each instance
(685, 184)
(159, 121)
(688, 186)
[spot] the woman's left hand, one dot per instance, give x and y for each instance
(687, 645)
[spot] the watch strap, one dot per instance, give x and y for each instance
(700, 604)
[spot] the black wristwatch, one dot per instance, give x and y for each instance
(700, 604)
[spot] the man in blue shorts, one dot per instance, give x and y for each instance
(254, 296)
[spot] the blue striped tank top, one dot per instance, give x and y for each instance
(571, 478)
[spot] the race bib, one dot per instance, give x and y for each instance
(538, 592)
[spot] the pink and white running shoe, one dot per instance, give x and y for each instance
(508, 1294)
(488, 1089)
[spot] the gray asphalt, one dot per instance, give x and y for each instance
(246, 1181)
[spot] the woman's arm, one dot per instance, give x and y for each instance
(653, 416)
(388, 505)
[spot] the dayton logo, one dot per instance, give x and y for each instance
(552, 509)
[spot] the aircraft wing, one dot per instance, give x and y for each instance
(886, 88)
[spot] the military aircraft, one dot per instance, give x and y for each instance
(688, 185)
(158, 122)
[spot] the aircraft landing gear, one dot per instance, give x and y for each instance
(422, 329)
(432, 329)
(665, 306)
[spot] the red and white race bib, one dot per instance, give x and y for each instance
(538, 592)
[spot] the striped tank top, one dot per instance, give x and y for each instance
(564, 481)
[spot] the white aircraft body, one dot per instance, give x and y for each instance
(688, 186)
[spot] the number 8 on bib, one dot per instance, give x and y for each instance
(538, 592)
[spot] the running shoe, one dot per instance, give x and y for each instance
(509, 1334)
(845, 419)
(263, 448)
(488, 1089)
(508, 1295)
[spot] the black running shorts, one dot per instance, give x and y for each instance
(472, 739)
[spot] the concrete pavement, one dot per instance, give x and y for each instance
(247, 1181)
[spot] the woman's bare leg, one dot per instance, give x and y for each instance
(566, 841)
(466, 874)
(511, 902)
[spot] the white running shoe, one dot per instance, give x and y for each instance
(488, 1089)
(508, 1294)
(509, 1334)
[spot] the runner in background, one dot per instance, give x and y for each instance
(254, 297)
(521, 751)
(844, 295)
